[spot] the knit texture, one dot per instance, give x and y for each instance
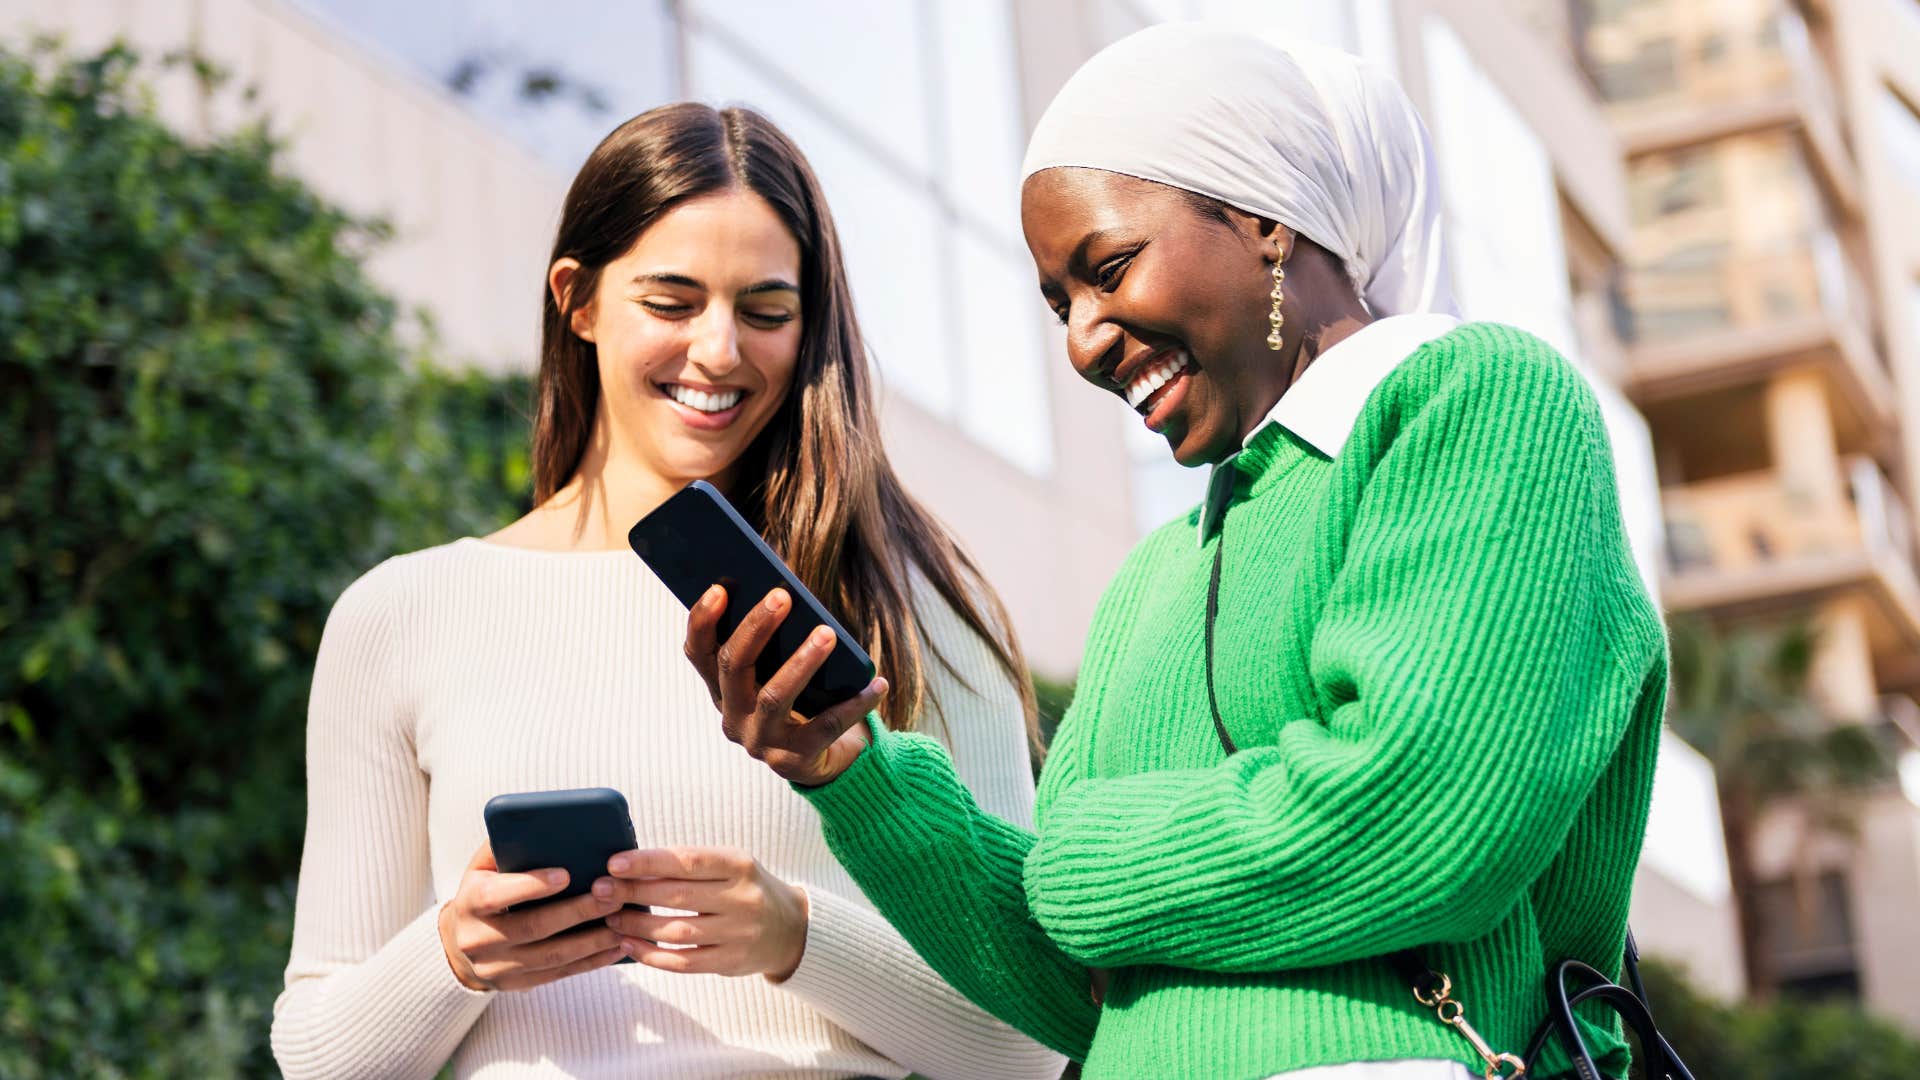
(1446, 681)
(455, 674)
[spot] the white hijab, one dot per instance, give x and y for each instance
(1305, 135)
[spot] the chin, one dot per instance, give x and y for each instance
(1194, 450)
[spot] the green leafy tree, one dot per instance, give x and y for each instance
(210, 426)
(1740, 696)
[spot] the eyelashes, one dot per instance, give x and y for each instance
(765, 319)
(1107, 276)
(1110, 272)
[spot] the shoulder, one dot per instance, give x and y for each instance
(1492, 366)
(1482, 395)
(376, 601)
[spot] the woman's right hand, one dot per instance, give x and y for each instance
(761, 718)
(491, 948)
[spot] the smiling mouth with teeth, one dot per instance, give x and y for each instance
(701, 400)
(1144, 384)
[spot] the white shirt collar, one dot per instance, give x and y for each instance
(1322, 405)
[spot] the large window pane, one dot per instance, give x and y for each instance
(875, 79)
(1502, 205)
(1004, 400)
(888, 229)
(980, 113)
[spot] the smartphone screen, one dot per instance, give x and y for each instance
(696, 540)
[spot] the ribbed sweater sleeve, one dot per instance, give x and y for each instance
(945, 870)
(368, 990)
(860, 971)
(1472, 681)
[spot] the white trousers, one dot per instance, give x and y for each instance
(1383, 1070)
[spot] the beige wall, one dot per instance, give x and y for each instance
(1677, 924)
(1886, 908)
(1878, 46)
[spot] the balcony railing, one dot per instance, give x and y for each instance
(1759, 520)
(1653, 58)
(1736, 236)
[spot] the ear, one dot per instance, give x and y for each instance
(1277, 239)
(560, 279)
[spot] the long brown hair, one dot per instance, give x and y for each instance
(816, 482)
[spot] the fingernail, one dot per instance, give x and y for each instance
(712, 597)
(821, 636)
(880, 686)
(603, 888)
(775, 599)
(629, 946)
(555, 877)
(619, 864)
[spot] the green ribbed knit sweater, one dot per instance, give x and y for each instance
(1446, 682)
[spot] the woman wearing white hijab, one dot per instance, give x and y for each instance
(1385, 705)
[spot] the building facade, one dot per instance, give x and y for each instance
(1773, 286)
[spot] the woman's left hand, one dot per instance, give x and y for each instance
(745, 921)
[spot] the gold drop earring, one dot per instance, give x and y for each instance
(1274, 317)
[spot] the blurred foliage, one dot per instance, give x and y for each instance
(1741, 696)
(212, 423)
(1779, 1040)
(1051, 698)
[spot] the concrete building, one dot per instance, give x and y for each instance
(1773, 159)
(916, 131)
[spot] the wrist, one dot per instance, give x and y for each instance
(463, 972)
(797, 950)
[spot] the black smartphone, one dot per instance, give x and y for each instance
(696, 540)
(577, 830)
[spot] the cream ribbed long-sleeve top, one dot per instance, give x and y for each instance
(454, 674)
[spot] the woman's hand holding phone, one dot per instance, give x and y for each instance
(745, 920)
(491, 948)
(760, 717)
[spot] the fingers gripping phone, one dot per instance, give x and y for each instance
(696, 540)
(577, 830)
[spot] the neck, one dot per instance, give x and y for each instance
(1318, 320)
(611, 489)
(1322, 333)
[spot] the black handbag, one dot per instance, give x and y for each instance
(1570, 983)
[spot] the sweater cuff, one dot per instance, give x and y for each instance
(836, 956)
(423, 936)
(870, 788)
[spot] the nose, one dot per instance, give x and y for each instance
(1093, 345)
(715, 348)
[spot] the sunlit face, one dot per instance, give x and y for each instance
(697, 331)
(1164, 306)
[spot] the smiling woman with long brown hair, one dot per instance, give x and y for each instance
(698, 325)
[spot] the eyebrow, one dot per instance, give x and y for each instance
(685, 282)
(1079, 256)
(1051, 291)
